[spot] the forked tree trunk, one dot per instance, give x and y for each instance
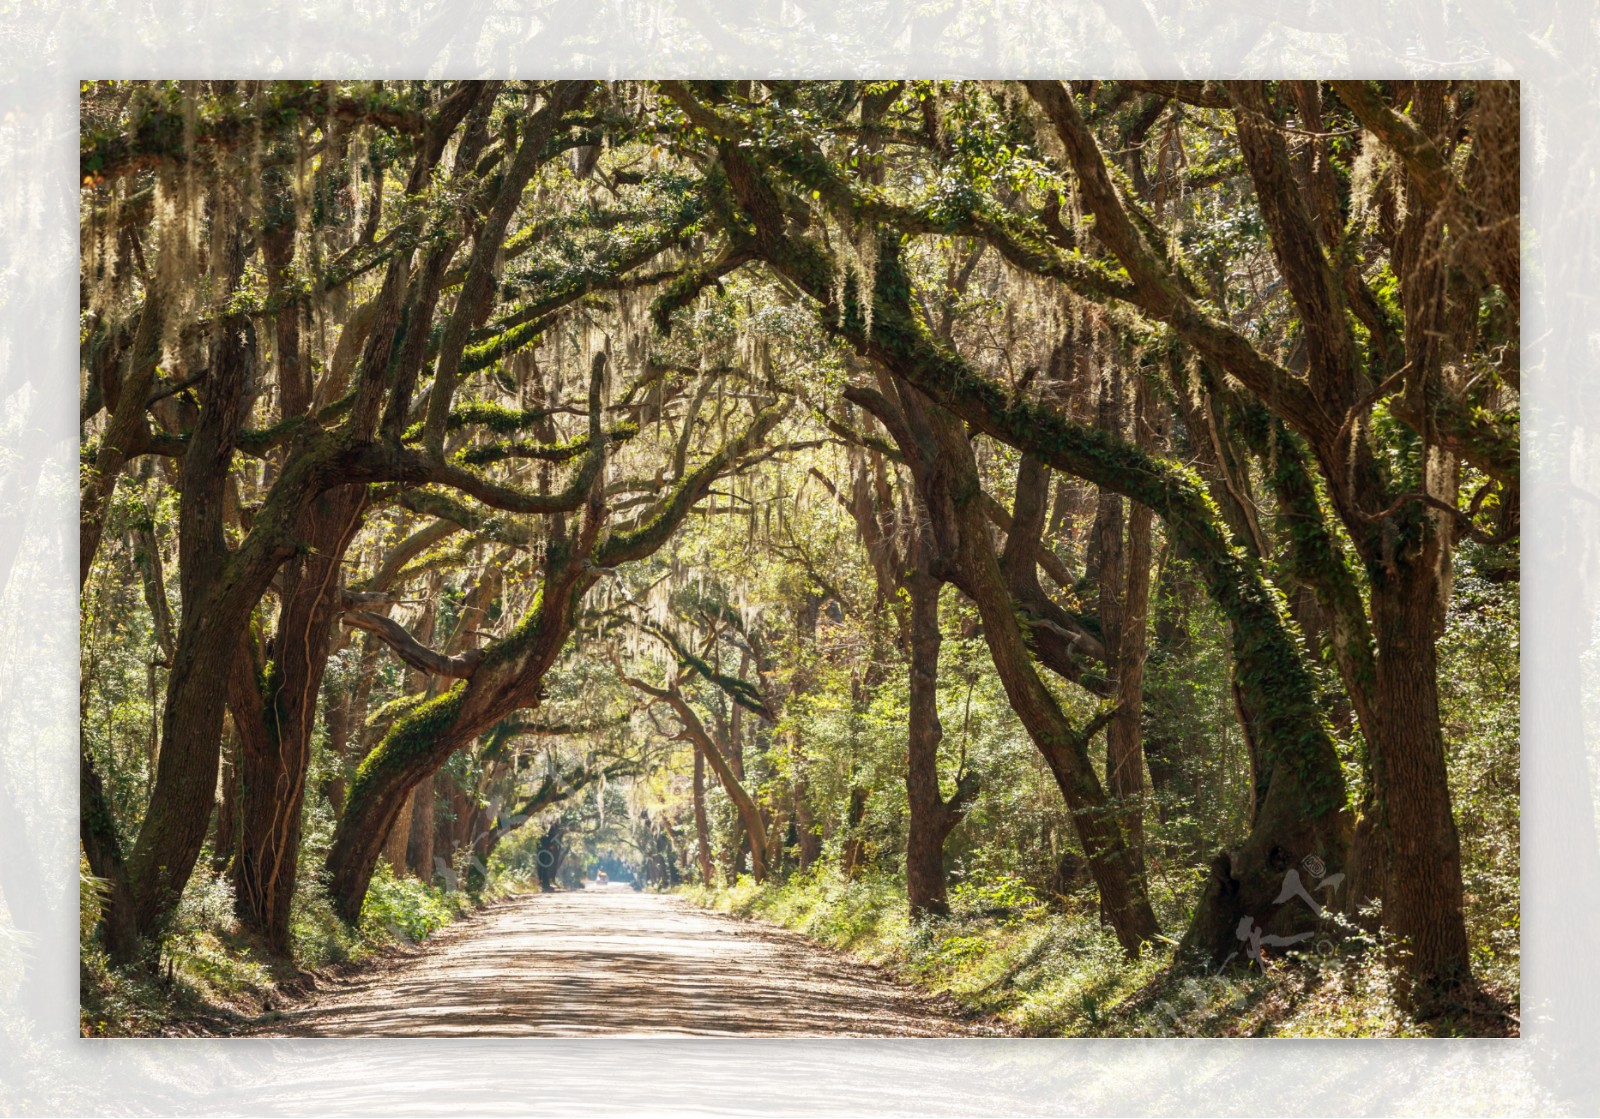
(949, 485)
(215, 610)
(276, 716)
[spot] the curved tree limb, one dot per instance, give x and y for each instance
(412, 651)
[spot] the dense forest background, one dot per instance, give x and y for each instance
(1059, 539)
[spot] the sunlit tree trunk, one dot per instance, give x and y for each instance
(1125, 761)
(419, 847)
(702, 829)
(225, 830)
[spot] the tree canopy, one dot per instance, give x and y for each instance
(1101, 494)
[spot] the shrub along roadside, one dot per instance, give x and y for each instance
(1054, 970)
(211, 975)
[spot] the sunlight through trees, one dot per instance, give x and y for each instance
(947, 516)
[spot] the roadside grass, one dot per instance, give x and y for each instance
(1048, 968)
(211, 973)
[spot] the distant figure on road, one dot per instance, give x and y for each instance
(602, 878)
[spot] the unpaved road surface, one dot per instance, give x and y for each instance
(612, 961)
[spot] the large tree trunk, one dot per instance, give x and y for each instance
(1407, 553)
(277, 716)
(215, 610)
(1331, 601)
(399, 837)
(219, 589)
(1423, 905)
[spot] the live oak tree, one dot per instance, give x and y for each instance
(1355, 353)
(759, 408)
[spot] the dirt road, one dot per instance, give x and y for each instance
(611, 961)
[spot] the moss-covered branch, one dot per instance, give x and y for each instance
(1292, 727)
(502, 449)
(742, 692)
(654, 530)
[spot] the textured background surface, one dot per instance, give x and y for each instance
(1553, 46)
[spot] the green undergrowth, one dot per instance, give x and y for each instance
(1054, 970)
(210, 972)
